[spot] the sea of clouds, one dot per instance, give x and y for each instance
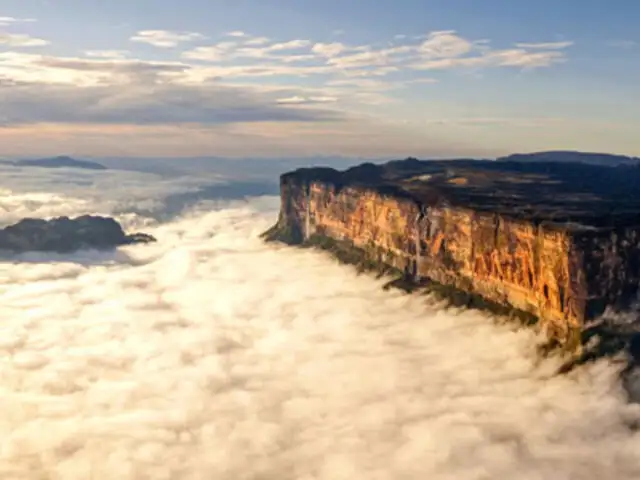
(211, 355)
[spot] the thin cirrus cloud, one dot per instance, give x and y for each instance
(165, 38)
(622, 43)
(220, 83)
(546, 45)
(19, 40)
(439, 50)
(306, 100)
(167, 104)
(47, 89)
(6, 21)
(108, 54)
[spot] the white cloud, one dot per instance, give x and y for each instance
(439, 50)
(237, 34)
(546, 45)
(445, 44)
(329, 49)
(112, 86)
(108, 54)
(306, 100)
(368, 83)
(233, 50)
(369, 58)
(212, 53)
(139, 104)
(179, 364)
(297, 58)
(257, 41)
(165, 38)
(6, 21)
(450, 52)
(81, 72)
(17, 40)
(290, 45)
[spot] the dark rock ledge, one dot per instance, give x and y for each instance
(65, 235)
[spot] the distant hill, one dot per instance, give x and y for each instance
(603, 159)
(60, 162)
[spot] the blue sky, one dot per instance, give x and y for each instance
(385, 78)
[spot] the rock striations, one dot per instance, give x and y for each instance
(559, 242)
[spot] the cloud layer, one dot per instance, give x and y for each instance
(241, 77)
(209, 355)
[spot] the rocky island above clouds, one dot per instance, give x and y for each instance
(65, 235)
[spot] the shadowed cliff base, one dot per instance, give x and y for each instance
(554, 241)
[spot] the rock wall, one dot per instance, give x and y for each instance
(561, 276)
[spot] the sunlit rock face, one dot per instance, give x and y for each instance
(559, 241)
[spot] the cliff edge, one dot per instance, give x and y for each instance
(556, 241)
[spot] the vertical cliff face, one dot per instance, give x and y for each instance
(564, 274)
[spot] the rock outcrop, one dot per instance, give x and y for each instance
(557, 241)
(64, 235)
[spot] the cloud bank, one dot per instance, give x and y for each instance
(212, 355)
(224, 81)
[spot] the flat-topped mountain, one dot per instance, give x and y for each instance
(60, 162)
(566, 156)
(567, 194)
(560, 241)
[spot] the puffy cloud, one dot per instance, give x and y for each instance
(445, 44)
(165, 38)
(208, 355)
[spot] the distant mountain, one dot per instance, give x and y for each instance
(602, 159)
(60, 162)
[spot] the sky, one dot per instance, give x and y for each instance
(391, 78)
